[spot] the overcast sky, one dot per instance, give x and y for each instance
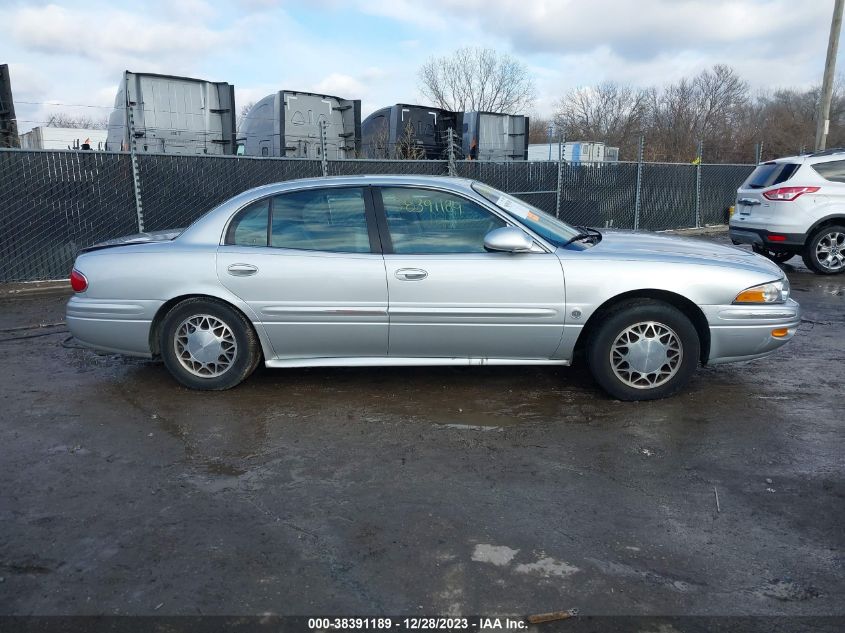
(74, 52)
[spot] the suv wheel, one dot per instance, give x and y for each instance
(208, 345)
(643, 350)
(824, 252)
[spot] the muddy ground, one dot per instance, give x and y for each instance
(486, 490)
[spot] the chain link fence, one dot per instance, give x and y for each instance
(53, 203)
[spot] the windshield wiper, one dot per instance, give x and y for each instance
(587, 229)
(584, 233)
(577, 238)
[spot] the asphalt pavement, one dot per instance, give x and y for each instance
(474, 490)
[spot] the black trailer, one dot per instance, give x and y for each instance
(8, 122)
(410, 131)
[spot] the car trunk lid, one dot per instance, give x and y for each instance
(137, 238)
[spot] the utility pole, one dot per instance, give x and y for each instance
(823, 122)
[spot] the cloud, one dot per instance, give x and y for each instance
(340, 85)
(633, 29)
(102, 35)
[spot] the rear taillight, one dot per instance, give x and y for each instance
(788, 194)
(78, 281)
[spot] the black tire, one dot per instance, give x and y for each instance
(811, 255)
(636, 314)
(778, 257)
(241, 352)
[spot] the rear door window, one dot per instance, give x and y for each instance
(769, 174)
(332, 219)
(249, 228)
(834, 170)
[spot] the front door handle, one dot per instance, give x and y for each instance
(242, 270)
(410, 274)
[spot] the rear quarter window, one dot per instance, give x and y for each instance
(769, 174)
(834, 170)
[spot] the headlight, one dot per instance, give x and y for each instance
(772, 292)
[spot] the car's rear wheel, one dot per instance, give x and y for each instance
(643, 350)
(778, 257)
(208, 345)
(824, 252)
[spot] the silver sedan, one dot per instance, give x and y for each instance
(389, 271)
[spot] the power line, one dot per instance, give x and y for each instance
(65, 105)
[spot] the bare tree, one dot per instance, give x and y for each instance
(710, 108)
(407, 146)
(609, 112)
(245, 109)
(477, 79)
(538, 130)
(64, 119)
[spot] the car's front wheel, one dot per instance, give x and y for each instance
(643, 350)
(824, 252)
(208, 345)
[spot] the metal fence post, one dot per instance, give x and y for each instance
(698, 184)
(559, 174)
(133, 158)
(758, 152)
(637, 195)
(452, 168)
(324, 163)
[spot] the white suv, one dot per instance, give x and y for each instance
(795, 206)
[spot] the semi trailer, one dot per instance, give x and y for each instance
(288, 124)
(172, 115)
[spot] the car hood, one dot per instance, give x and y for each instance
(635, 245)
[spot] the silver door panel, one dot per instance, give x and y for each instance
(312, 304)
(483, 305)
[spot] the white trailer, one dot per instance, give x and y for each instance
(173, 115)
(288, 123)
(63, 138)
(495, 136)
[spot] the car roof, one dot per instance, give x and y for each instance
(205, 227)
(447, 182)
(835, 153)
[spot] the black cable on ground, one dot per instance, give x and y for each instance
(22, 338)
(68, 340)
(32, 327)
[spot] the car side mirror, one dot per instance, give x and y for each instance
(508, 239)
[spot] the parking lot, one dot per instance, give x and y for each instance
(487, 490)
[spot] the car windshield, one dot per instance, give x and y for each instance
(546, 226)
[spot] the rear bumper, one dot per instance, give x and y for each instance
(739, 333)
(122, 327)
(763, 238)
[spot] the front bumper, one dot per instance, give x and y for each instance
(744, 332)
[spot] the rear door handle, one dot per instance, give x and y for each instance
(242, 270)
(410, 274)
(749, 201)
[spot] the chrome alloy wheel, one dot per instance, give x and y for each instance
(830, 251)
(205, 345)
(646, 355)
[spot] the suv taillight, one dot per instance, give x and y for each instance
(78, 281)
(788, 194)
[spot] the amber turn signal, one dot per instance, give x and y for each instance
(780, 332)
(752, 295)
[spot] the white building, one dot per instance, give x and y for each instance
(63, 138)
